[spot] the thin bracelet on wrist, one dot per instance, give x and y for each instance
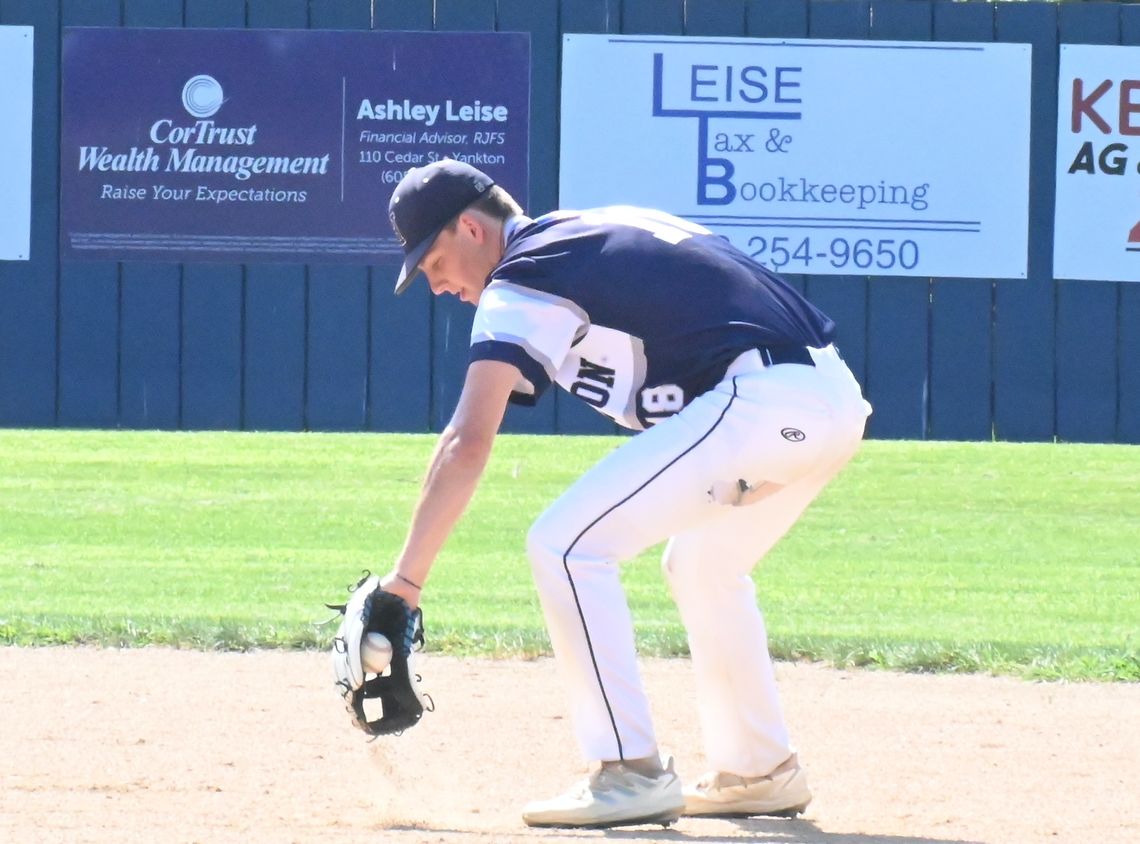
(408, 581)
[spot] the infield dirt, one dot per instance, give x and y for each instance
(161, 745)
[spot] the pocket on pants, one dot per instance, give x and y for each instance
(785, 430)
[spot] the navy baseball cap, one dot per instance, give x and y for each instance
(424, 202)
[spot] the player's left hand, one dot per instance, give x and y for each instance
(373, 609)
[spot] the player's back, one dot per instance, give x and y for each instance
(660, 278)
(647, 303)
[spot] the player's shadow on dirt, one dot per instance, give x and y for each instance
(773, 830)
(777, 830)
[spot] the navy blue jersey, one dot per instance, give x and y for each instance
(634, 311)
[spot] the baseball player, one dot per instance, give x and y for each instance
(746, 411)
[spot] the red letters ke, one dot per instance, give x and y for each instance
(1086, 106)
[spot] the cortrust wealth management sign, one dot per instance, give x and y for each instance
(273, 145)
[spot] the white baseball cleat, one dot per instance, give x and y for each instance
(784, 793)
(613, 795)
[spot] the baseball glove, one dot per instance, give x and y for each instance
(369, 610)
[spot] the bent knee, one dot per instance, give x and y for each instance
(543, 545)
(677, 566)
(690, 573)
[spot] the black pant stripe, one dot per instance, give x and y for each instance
(570, 577)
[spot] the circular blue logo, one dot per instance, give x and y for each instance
(202, 96)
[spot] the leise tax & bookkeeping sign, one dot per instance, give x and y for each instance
(813, 156)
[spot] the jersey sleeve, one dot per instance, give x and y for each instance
(531, 329)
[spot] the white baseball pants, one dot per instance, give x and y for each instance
(791, 427)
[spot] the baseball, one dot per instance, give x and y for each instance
(375, 653)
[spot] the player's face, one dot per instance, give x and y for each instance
(459, 261)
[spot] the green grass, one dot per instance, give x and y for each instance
(1008, 558)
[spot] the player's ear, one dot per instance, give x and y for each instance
(476, 225)
(470, 225)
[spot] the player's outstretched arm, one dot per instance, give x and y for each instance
(453, 474)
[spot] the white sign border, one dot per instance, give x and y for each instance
(17, 54)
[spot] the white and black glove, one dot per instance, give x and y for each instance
(373, 610)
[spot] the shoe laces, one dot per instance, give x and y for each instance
(596, 781)
(721, 779)
(609, 778)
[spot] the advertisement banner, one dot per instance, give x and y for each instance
(15, 142)
(821, 157)
(274, 145)
(1096, 233)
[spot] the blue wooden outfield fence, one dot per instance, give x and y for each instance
(323, 347)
